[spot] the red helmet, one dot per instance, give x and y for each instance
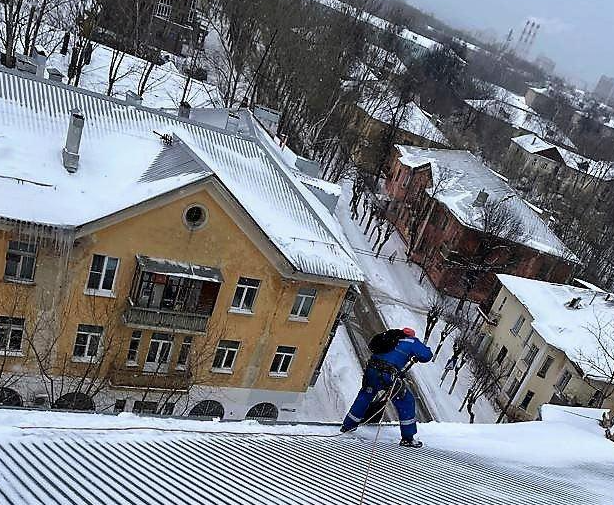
(409, 332)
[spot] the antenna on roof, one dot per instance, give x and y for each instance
(167, 138)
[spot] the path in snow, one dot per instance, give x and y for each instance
(403, 301)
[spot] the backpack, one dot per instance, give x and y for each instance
(385, 342)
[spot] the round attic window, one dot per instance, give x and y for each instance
(195, 217)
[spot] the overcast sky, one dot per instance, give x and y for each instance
(577, 34)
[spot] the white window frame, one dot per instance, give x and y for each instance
(302, 299)
(157, 365)
(133, 338)
(9, 326)
(89, 334)
(227, 349)
(515, 330)
(531, 353)
(164, 8)
(548, 359)
(186, 344)
(99, 291)
(241, 309)
(287, 358)
(566, 377)
(22, 254)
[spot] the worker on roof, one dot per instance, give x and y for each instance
(394, 351)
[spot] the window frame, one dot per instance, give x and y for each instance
(515, 329)
(303, 298)
(530, 355)
(133, 338)
(529, 394)
(503, 352)
(157, 366)
(224, 344)
(164, 9)
(145, 411)
(512, 390)
(11, 325)
(100, 291)
(246, 287)
(16, 251)
(548, 360)
(185, 344)
(287, 358)
(565, 377)
(86, 358)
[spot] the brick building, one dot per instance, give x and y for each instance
(463, 224)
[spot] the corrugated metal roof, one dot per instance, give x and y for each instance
(123, 163)
(258, 469)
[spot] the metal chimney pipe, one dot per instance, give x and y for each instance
(70, 153)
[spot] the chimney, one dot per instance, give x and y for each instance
(25, 64)
(133, 99)
(232, 123)
(481, 199)
(70, 153)
(574, 303)
(55, 74)
(40, 57)
(546, 215)
(184, 110)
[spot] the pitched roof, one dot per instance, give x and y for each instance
(123, 163)
(95, 460)
(570, 330)
(463, 176)
(536, 145)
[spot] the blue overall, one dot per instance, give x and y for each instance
(376, 380)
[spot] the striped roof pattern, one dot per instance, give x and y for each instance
(272, 469)
(121, 136)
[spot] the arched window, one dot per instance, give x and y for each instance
(208, 408)
(10, 398)
(263, 411)
(74, 401)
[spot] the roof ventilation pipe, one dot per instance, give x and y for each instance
(184, 110)
(70, 153)
(133, 99)
(481, 199)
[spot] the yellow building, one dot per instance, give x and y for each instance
(156, 264)
(552, 335)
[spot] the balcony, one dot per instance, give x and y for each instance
(172, 381)
(159, 319)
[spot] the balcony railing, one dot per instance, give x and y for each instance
(135, 378)
(160, 319)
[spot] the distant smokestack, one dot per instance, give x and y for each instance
(70, 153)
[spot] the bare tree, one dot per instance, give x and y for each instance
(600, 364)
(436, 307)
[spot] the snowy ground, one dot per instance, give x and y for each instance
(336, 388)
(402, 301)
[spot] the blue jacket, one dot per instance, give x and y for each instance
(406, 349)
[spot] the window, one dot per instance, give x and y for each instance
(563, 380)
(303, 303)
(168, 409)
(20, 261)
(145, 407)
(194, 12)
(133, 348)
(524, 405)
(502, 354)
(281, 361)
(159, 352)
(444, 222)
(531, 353)
(529, 337)
(513, 389)
(120, 406)
(102, 273)
(87, 342)
(545, 367)
(11, 335)
(517, 325)
(502, 304)
(164, 8)
(208, 408)
(195, 217)
(225, 355)
(266, 411)
(184, 353)
(245, 295)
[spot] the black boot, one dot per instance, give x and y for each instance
(410, 442)
(347, 429)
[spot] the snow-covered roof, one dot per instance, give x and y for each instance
(570, 330)
(520, 116)
(421, 40)
(164, 87)
(123, 163)
(535, 145)
(78, 459)
(411, 119)
(462, 177)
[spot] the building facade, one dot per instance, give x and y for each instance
(152, 280)
(439, 202)
(534, 328)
